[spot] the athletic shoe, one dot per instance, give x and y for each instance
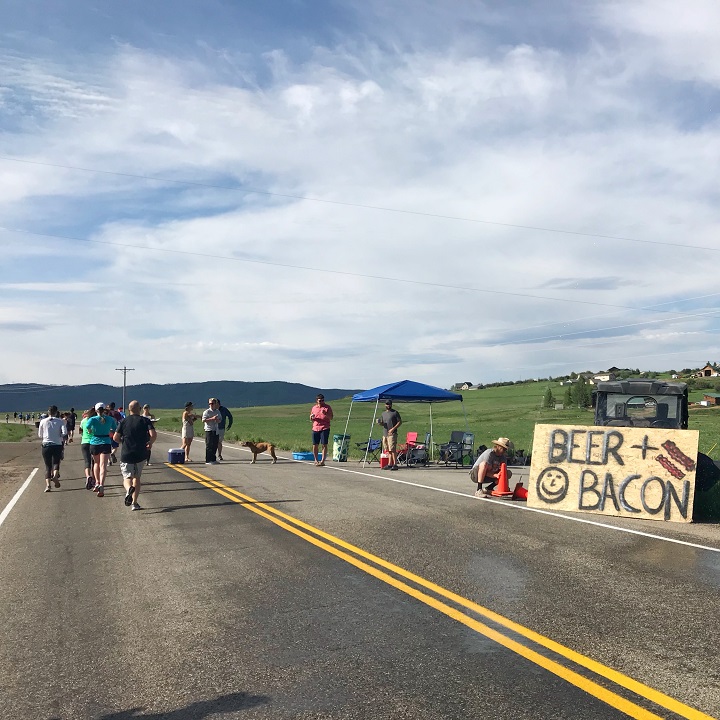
(321, 463)
(393, 467)
(47, 488)
(89, 483)
(129, 497)
(480, 493)
(220, 457)
(135, 506)
(101, 491)
(96, 487)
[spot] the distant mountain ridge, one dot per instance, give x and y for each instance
(27, 397)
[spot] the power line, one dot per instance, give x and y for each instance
(341, 203)
(382, 278)
(345, 273)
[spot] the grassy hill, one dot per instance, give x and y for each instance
(510, 411)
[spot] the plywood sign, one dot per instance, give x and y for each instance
(631, 472)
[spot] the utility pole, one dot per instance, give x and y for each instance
(124, 371)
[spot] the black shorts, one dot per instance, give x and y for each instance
(100, 449)
(321, 437)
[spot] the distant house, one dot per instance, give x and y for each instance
(462, 386)
(602, 377)
(709, 370)
(711, 399)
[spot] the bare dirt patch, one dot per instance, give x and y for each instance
(17, 461)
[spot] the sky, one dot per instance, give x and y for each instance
(347, 193)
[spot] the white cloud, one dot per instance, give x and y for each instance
(682, 38)
(251, 283)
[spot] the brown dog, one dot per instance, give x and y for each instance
(257, 448)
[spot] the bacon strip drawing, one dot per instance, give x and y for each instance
(675, 472)
(678, 455)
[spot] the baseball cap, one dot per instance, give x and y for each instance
(99, 406)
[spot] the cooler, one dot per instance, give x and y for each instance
(176, 456)
(384, 460)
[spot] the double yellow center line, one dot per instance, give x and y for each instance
(341, 549)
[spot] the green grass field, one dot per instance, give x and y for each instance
(14, 432)
(509, 411)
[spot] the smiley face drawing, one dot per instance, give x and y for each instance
(552, 485)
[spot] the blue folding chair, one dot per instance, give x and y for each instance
(372, 447)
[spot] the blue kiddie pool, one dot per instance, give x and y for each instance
(303, 456)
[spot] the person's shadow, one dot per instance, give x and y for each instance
(197, 710)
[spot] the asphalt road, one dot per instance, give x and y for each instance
(290, 591)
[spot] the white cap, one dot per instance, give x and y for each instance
(99, 406)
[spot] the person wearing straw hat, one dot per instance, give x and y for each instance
(487, 467)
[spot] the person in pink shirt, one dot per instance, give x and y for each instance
(321, 415)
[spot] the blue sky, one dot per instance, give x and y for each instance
(349, 193)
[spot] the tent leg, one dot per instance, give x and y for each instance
(372, 424)
(347, 422)
(432, 437)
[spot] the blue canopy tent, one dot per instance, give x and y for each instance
(404, 391)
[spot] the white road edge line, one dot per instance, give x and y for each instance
(513, 506)
(16, 497)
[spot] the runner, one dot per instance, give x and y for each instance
(137, 435)
(85, 448)
(71, 421)
(100, 427)
(148, 415)
(117, 416)
(52, 432)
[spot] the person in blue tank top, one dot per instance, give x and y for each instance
(101, 428)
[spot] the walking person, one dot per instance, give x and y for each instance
(226, 418)
(391, 421)
(188, 429)
(52, 431)
(85, 448)
(137, 435)
(321, 414)
(101, 428)
(148, 416)
(211, 420)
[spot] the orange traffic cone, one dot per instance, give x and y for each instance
(502, 489)
(520, 492)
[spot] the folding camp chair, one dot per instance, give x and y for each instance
(402, 451)
(372, 448)
(417, 453)
(467, 452)
(414, 451)
(449, 452)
